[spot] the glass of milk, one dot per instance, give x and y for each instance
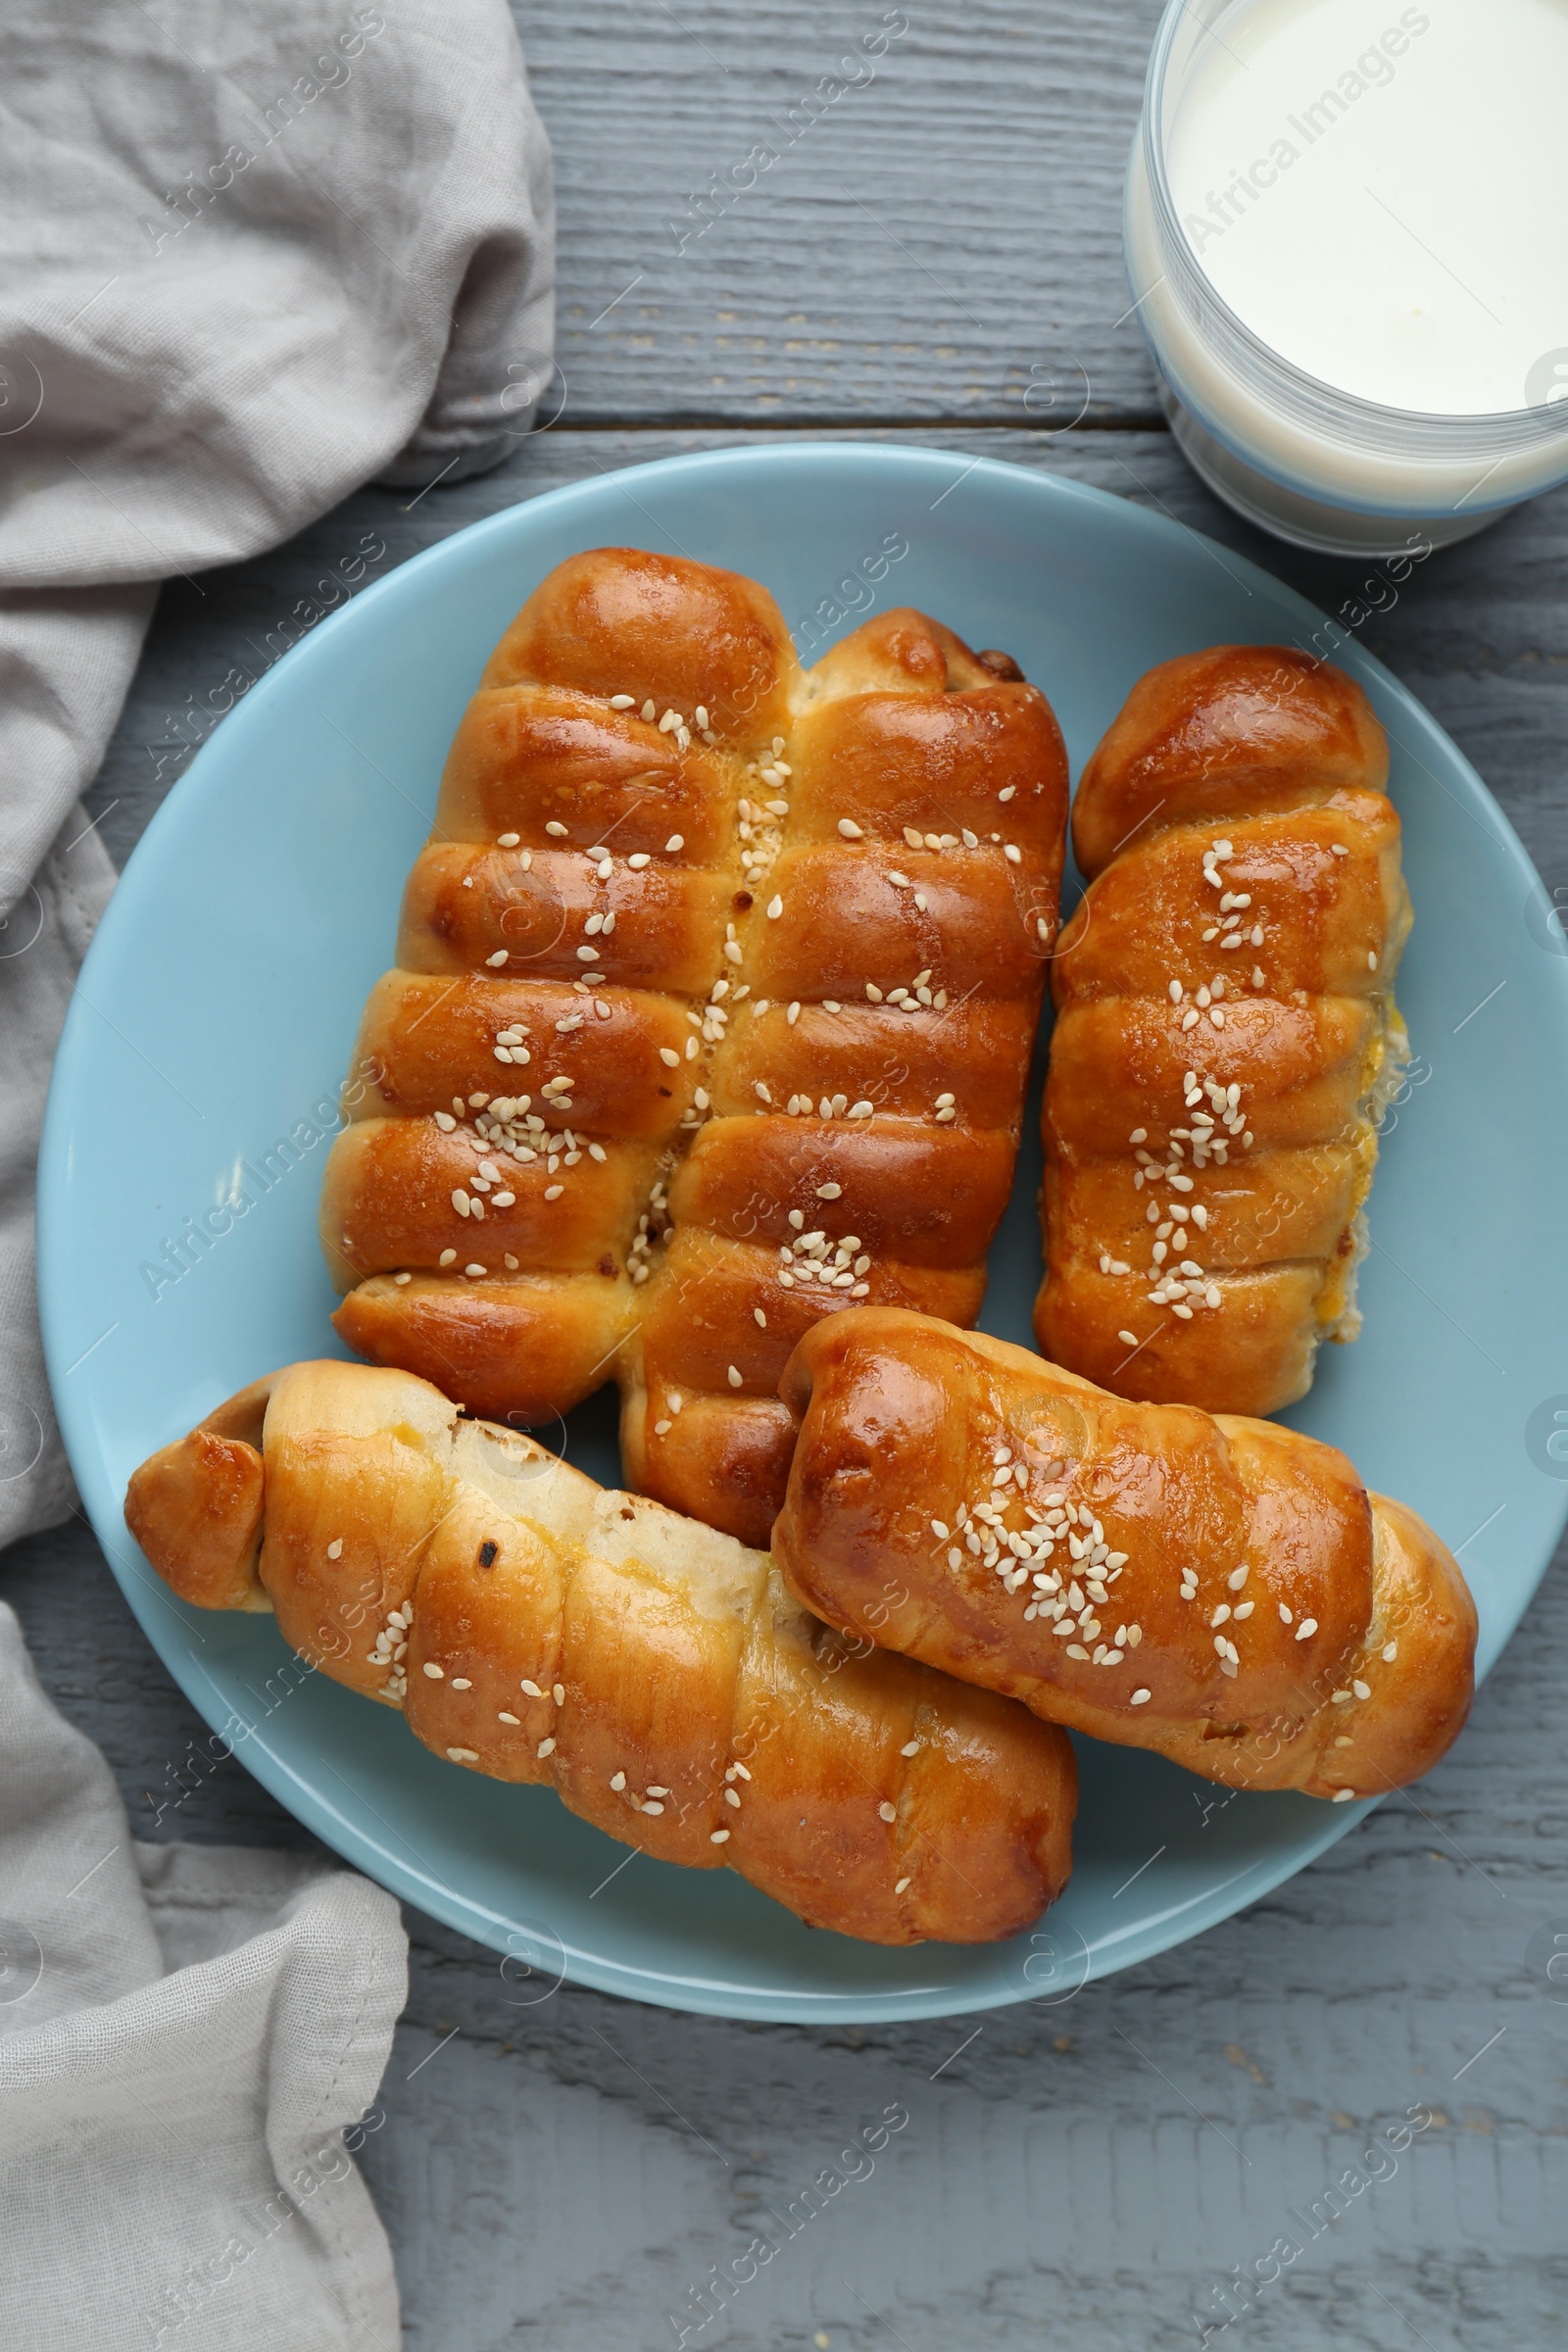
(1347, 229)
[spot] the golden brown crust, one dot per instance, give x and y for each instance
(195, 1507)
(463, 905)
(393, 1187)
(687, 631)
(529, 1349)
(1226, 1591)
(422, 1040)
(1235, 727)
(760, 944)
(536, 1629)
(1226, 1035)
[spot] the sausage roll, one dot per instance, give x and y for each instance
(656, 1674)
(1226, 1037)
(1220, 1589)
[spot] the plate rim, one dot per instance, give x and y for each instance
(149, 1601)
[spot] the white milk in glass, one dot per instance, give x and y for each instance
(1378, 197)
(1382, 195)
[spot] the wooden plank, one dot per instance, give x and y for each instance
(935, 257)
(1088, 2173)
(922, 241)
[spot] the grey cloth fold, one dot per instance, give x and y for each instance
(250, 258)
(188, 2038)
(43, 938)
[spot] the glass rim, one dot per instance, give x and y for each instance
(1326, 408)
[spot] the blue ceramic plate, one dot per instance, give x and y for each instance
(216, 1015)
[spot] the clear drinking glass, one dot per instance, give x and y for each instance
(1317, 466)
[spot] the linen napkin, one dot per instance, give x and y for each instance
(250, 258)
(185, 2035)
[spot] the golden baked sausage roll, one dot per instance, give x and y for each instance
(656, 1674)
(716, 988)
(1223, 1590)
(1226, 1036)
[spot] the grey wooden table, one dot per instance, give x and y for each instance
(933, 255)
